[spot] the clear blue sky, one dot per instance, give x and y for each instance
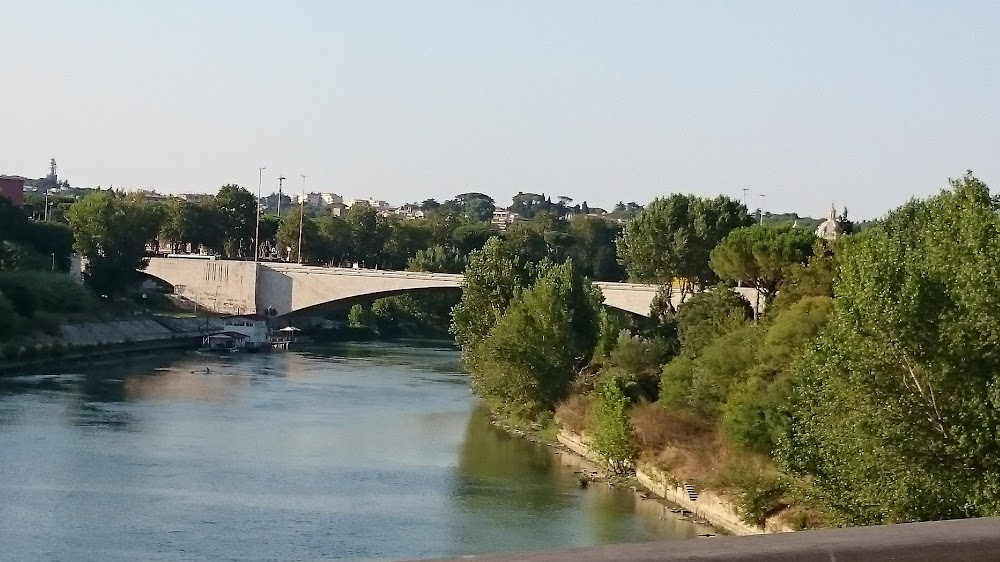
(863, 102)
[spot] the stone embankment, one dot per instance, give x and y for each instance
(92, 340)
(708, 505)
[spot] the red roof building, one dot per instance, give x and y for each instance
(13, 188)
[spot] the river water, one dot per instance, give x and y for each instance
(361, 451)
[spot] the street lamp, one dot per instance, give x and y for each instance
(256, 234)
(761, 208)
(302, 214)
(281, 178)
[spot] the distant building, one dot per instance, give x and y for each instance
(196, 197)
(13, 188)
(502, 219)
(833, 227)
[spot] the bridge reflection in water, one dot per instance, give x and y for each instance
(937, 541)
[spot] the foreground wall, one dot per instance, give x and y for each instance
(938, 541)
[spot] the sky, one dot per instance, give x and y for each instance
(860, 103)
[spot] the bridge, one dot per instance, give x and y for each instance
(242, 287)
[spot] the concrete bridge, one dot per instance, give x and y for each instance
(241, 287)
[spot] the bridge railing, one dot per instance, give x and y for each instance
(965, 540)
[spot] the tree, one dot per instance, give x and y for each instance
(437, 259)
(480, 209)
(111, 230)
(494, 276)
(334, 242)
(238, 215)
(592, 247)
(895, 413)
(526, 363)
(762, 256)
(613, 437)
(671, 239)
(709, 315)
(288, 237)
(13, 221)
(365, 242)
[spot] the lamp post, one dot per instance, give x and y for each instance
(256, 234)
(761, 208)
(302, 214)
(281, 178)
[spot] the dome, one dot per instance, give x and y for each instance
(831, 228)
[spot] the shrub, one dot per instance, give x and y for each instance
(709, 315)
(574, 412)
(640, 358)
(611, 427)
(760, 491)
(675, 382)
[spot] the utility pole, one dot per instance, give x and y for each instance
(281, 178)
(761, 208)
(256, 234)
(302, 214)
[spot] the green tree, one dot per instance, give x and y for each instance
(896, 411)
(334, 243)
(365, 241)
(493, 278)
(710, 315)
(762, 256)
(437, 259)
(468, 238)
(592, 247)
(671, 239)
(526, 363)
(288, 237)
(237, 210)
(756, 413)
(111, 230)
(611, 428)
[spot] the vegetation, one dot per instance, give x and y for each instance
(865, 394)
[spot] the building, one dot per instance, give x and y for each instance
(833, 227)
(13, 188)
(502, 219)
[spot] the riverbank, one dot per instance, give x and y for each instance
(651, 485)
(96, 342)
(588, 465)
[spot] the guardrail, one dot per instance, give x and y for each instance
(939, 541)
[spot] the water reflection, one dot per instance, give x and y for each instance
(351, 452)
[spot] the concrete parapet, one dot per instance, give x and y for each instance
(966, 540)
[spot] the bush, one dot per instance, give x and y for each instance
(640, 358)
(10, 321)
(675, 382)
(709, 315)
(760, 491)
(42, 290)
(574, 412)
(656, 428)
(611, 427)
(723, 363)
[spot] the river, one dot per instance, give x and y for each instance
(360, 451)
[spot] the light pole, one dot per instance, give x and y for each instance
(281, 178)
(256, 234)
(302, 215)
(761, 208)
(745, 190)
